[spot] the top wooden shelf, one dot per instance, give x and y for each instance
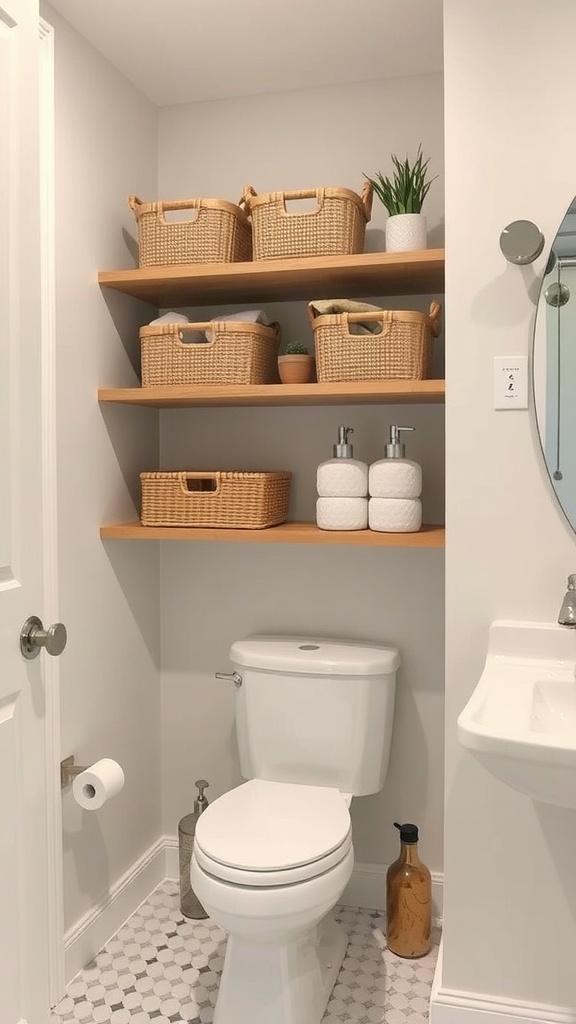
(370, 273)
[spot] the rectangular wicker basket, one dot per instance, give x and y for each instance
(336, 228)
(217, 232)
(402, 350)
(237, 353)
(228, 500)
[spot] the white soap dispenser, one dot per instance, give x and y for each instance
(395, 486)
(342, 485)
(342, 476)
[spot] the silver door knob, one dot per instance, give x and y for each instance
(33, 637)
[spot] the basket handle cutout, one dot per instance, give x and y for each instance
(316, 195)
(299, 205)
(376, 317)
(199, 483)
(180, 216)
(206, 340)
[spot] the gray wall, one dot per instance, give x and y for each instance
(212, 594)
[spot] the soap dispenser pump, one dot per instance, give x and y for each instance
(342, 485)
(342, 476)
(189, 903)
(395, 486)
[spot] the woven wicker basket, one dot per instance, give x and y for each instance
(219, 232)
(244, 501)
(237, 353)
(401, 351)
(337, 227)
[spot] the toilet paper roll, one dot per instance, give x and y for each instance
(99, 783)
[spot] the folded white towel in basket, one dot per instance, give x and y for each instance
(249, 316)
(171, 318)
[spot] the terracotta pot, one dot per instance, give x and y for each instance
(297, 369)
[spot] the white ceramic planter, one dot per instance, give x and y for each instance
(406, 232)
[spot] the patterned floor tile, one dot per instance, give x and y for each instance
(162, 968)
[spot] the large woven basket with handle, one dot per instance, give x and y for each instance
(216, 232)
(229, 352)
(229, 500)
(336, 227)
(401, 350)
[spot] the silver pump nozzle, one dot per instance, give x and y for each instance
(396, 448)
(567, 616)
(201, 802)
(343, 450)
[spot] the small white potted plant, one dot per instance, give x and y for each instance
(296, 365)
(403, 196)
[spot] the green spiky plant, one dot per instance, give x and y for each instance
(296, 348)
(406, 191)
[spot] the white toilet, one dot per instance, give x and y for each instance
(272, 857)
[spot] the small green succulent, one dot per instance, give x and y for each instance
(296, 348)
(406, 191)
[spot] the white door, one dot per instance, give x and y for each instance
(23, 830)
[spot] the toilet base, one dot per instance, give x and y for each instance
(288, 984)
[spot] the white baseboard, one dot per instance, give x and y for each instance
(366, 888)
(91, 932)
(172, 857)
(454, 1006)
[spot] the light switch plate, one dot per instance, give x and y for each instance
(510, 382)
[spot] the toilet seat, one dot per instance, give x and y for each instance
(276, 879)
(273, 833)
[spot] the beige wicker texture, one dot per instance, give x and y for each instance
(237, 353)
(244, 501)
(401, 351)
(336, 228)
(217, 232)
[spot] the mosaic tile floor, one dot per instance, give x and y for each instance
(162, 968)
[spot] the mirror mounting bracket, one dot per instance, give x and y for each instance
(521, 242)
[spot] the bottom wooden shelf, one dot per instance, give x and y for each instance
(287, 533)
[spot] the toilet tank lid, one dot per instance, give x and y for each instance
(307, 655)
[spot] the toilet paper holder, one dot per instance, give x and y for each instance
(69, 770)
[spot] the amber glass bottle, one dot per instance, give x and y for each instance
(408, 899)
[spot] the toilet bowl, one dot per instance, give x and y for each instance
(271, 858)
(270, 861)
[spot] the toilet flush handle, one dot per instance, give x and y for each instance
(234, 676)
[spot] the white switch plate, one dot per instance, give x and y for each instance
(510, 382)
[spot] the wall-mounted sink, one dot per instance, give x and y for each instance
(520, 722)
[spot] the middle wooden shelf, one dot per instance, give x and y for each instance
(371, 392)
(286, 533)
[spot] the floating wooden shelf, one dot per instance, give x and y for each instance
(288, 533)
(371, 273)
(345, 393)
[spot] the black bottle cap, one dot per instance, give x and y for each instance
(408, 833)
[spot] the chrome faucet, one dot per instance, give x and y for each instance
(567, 616)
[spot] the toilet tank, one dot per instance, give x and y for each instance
(315, 711)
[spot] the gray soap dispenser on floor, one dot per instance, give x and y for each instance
(189, 903)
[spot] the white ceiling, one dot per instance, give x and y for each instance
(181, 51)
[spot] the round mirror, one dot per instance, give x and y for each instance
(554, 365)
